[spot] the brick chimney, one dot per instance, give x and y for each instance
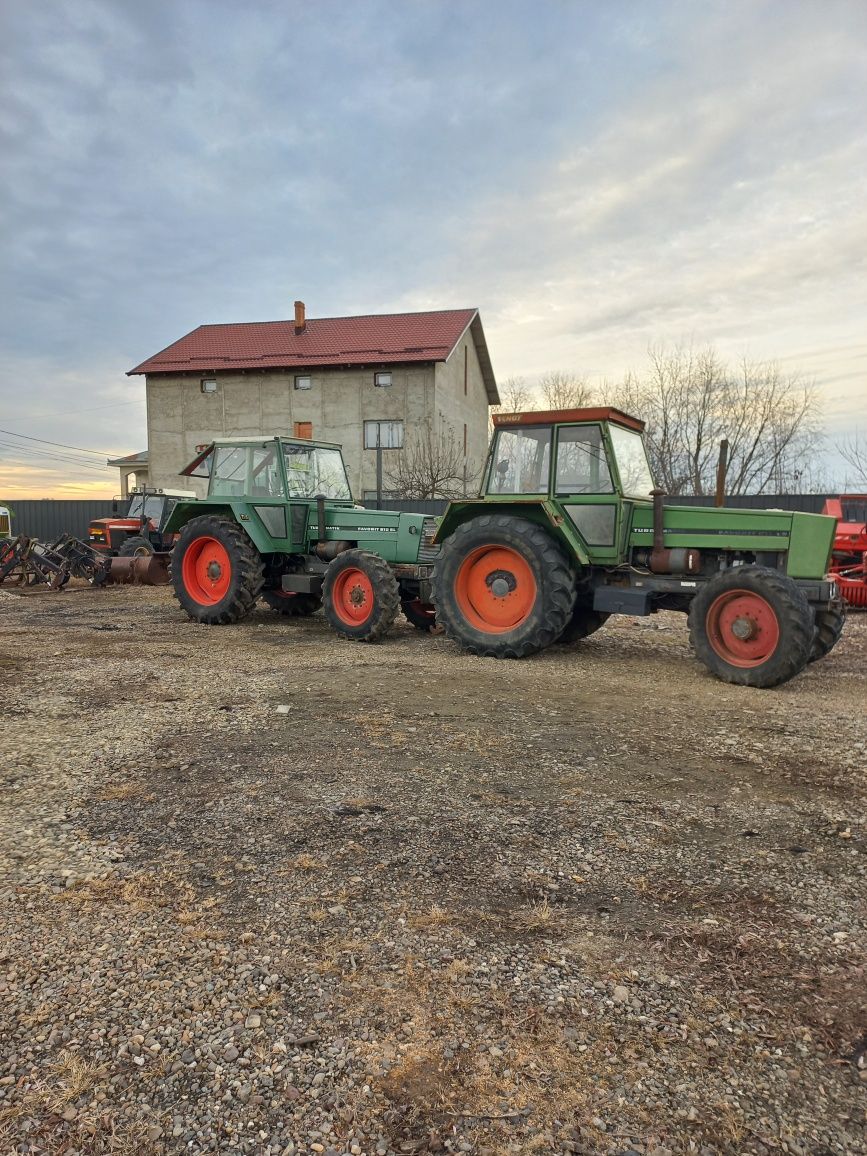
(300, 318)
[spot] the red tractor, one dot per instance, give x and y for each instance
(849, 555)
(141, 530)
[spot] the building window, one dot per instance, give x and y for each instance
(209, 385)
(303, 382)
(382, 379)
(388, 435)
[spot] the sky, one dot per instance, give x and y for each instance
(595, 177)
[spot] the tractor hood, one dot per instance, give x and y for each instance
(806, 539)
(396, 536)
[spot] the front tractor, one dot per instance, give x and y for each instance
(279, 524)
(571, 529)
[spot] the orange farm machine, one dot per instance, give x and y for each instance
(849, 555)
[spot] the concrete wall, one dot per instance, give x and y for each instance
(180, 416)
(458, 407)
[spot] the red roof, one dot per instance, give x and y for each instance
(379, 339)
(549, 416)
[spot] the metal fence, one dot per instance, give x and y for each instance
(47, 519)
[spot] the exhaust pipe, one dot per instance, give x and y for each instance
(663, 561)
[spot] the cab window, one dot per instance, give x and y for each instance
(230, 470)
(266, 479)
(521, 461)
(582, 467)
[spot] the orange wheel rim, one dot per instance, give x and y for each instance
(742, 628)
(495, 589)
(206, 571)
(352, 597)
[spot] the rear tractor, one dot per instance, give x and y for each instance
(141, 530)
(571, 529)
(279, 524)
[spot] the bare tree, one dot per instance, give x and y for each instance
(690, 401)
(561, 389)
(432, 465)
(853, 451)
(515, 396)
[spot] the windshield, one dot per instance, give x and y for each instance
(314, 470)
(521, 461)
(150, 506)
(636, 479)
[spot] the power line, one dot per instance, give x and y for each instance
(61, 445)
(73, 412)
(26, 451)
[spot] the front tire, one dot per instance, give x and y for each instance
(752, 626)
(502, 587)
(136, 547)
(216, 571)
(360, 596)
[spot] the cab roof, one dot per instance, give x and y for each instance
(550, 416)
(254, 441)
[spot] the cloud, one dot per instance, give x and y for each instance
(593, 177)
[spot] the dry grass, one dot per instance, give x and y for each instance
(434, 917)
(147, 891)
(35, 1115)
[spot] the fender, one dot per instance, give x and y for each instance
(539, 510)
(238, 512)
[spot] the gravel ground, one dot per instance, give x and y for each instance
(268, 891)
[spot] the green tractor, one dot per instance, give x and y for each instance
(571, 529)
(279, 523)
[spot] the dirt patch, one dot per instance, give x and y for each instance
(593, 902)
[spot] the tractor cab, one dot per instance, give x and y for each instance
(5, 522)
(274, 468)
(590, 462)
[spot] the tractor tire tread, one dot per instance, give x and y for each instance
(829, 627)
(301, 606)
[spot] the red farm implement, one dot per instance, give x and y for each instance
(849, 556)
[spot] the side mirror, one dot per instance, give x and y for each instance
(114, 505)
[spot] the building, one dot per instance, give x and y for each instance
(390, 377)
(133, 471)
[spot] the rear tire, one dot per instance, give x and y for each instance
(582, 624)
(135, 547)
(360, 596)
(216, 571)
(502, 587)
(291, 604)
(752, 626)
(829, 627)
